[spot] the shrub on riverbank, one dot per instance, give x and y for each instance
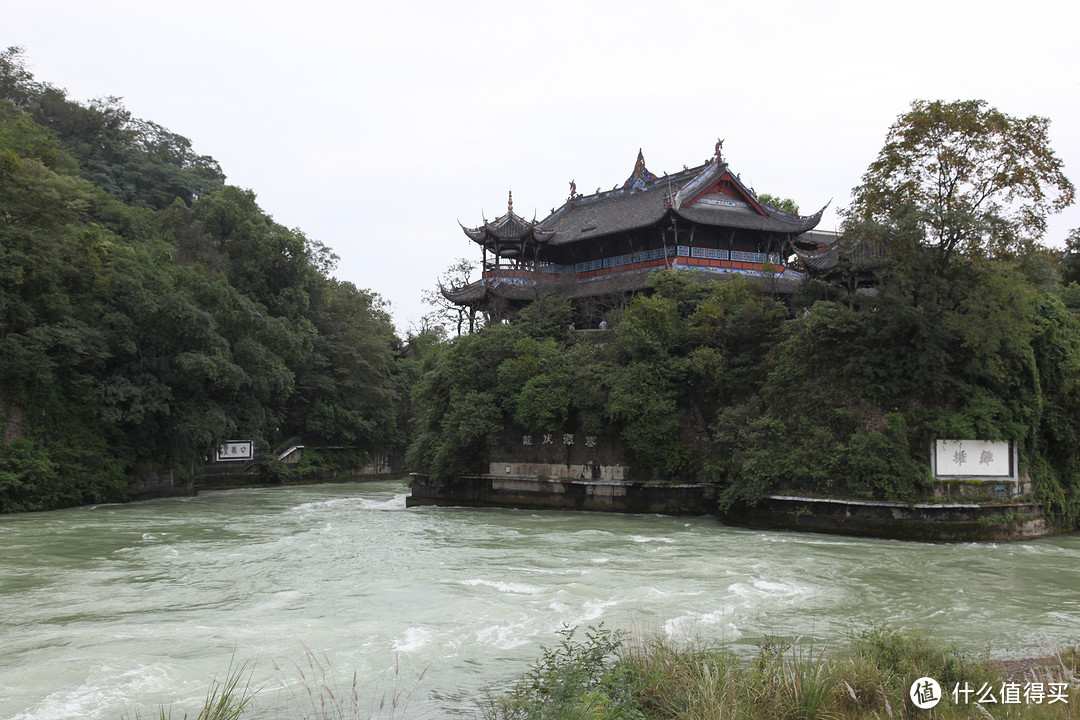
(600, 674)
(603, 676)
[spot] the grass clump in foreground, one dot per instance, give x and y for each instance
(321, 696)
(605, 677)
(226, 699)
(322, 703)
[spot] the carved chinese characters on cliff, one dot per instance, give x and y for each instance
(568, 439)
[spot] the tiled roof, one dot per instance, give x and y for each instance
(625, 208)
(607, 213)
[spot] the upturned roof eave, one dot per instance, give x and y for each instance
(475, 234)
(490, 234)
(701, 216)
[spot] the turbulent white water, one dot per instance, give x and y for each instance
(113, 610)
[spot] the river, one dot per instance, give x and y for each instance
(115, 610)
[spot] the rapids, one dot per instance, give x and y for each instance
(115, 610)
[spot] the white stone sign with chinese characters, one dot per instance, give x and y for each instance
(235, 451)
(973, 458)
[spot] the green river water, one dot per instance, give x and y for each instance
(111, 610)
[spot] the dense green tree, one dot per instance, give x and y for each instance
(675, 355)
(136, 161)
(716, 381)
(785, 204)
(974, 180)
(458, 415)
(1070, 259)
(345, 388)
(448, 315)
(263, 259)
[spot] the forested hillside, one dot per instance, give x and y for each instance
(149, 311)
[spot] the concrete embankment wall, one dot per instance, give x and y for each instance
(149, 486)
(563, 494)
(905, 521)
(935, 522)
(254, 479)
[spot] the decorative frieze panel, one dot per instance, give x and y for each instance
(709, 253)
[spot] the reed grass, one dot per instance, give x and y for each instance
(320, 701)
(226, 699)
(600, 674)
(653, 678)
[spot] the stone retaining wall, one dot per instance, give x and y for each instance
(563, 494)
(932, 522)
(906, 521)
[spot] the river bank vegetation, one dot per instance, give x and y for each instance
(602, 674)
(149, 310)
(599, 674)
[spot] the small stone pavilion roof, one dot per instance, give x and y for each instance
(709, 194)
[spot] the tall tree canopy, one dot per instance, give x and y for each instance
(136, 161)
(446, 315)
(972, 179)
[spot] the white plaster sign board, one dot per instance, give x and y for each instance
(235, 451)
(973, 458)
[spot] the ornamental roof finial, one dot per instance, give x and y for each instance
(510, 201)
(641, 174)
(719, 149)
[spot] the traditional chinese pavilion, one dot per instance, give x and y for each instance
(852, 262)
(607, 244)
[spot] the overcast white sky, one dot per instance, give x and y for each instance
(375, 126)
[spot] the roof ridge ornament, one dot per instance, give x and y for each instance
(510, 201)
(719, 152)
(641, 174)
